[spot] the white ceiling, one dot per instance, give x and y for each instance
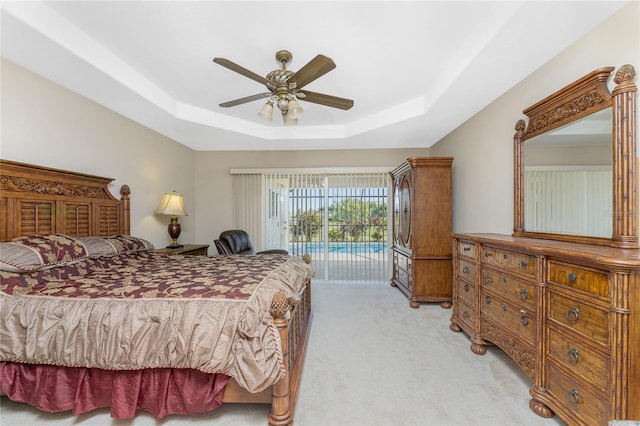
(416, 69)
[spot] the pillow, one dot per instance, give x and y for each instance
(97, 247)
(37, 252)
(129, 244)
(115, 244)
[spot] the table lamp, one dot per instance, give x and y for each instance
(172, 205)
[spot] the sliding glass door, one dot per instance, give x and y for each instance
(339, 217)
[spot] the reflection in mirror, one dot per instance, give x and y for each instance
(568, 179)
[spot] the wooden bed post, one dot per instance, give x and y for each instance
(126, 206)
(280, 413)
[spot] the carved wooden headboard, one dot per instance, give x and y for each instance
(42, 200)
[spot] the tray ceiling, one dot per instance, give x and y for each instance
(416, 70)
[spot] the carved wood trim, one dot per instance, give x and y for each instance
(579, 99)
(625, 167)
(38, 186)
(522, 355)
(619, 330)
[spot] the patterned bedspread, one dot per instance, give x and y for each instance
(147, 310)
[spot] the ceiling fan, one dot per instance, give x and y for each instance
(285, 87)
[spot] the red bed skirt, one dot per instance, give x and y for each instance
(161, 391)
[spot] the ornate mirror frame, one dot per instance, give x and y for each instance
(585, 96)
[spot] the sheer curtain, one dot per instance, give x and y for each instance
(339, 217)
(247, 206)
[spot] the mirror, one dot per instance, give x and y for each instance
(575, 163)
(567, 186)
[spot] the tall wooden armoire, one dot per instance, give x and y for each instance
(422, 230)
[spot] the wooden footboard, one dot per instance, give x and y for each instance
(293, 324)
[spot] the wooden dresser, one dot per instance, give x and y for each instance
(422, 229)
(567, 313)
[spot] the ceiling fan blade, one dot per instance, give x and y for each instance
(328, 100)
(315, 68)
(241, 70)
(245, 99)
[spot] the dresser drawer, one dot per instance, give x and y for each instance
(518, 262)
(580, 360)
(516, 321)
(576, 399)
(466, 314)
(520, 292)
(466, 292)
(467, 270)
(589, 280)
(587, 320)
(467, 249)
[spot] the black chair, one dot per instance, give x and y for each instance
(237, 241)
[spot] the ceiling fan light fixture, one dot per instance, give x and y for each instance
(267, 111)
(295, 110)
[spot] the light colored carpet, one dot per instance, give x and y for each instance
(371, 360)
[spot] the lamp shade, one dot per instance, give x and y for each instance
(295, 110)
(288, 121)
(267, 111)
(171, 205)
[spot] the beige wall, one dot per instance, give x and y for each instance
(213, 181)
(483, 146)
(45, 124)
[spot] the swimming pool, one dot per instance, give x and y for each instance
(338, 247)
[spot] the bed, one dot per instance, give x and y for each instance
(97, 318)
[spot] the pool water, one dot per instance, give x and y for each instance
(338, 247)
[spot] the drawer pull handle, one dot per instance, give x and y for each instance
(466, 287)
(465, 315)
(523, 264)
(488, 279)
(487, 300)
(572, 315)
(466, 248)
(465, 270)
(572, 356)
(572, 396)
(572, 277)
(504, 256)
(487, 254)
(524, 294)
(524, 320)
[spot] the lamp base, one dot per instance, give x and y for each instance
(174, 233)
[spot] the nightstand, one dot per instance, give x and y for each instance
(187, 250)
